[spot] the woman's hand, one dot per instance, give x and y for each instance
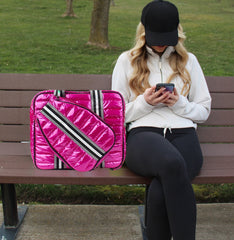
(154, 98)
(160, 96)
(173, 98)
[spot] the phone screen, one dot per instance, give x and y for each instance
(169, 86)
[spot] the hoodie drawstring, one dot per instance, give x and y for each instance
(165, 131)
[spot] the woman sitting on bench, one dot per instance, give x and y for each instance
(162, 142)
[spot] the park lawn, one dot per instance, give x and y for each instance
(36, 39)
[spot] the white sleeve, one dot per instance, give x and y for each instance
(197, 106)
(138, 107)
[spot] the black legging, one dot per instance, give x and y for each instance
(172, 162)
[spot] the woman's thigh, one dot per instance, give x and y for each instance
(150, 154)
(187, 143)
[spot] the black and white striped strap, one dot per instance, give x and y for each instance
(82, 140)
(97, 102)
(59, 93)
(58, 164)
(97, 107)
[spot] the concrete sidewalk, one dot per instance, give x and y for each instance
(97, 222)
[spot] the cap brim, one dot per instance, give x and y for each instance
(161, 38)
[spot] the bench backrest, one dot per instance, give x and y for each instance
(17, 91)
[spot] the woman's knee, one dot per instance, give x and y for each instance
(172, 165)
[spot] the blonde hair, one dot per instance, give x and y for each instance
(177, 60)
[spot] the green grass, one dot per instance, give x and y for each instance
(36, 39)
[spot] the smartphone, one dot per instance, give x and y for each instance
(169, 86)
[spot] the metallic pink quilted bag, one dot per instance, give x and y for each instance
(78, 130)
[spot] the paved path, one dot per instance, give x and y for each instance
(97, 222)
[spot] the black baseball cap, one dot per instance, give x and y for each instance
(161, 20)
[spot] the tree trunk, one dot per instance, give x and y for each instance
(99, 24)
(69, 12)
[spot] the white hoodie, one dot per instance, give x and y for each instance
(186, 112)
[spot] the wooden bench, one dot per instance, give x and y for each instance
(16, 166)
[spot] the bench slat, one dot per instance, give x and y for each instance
(32, 175)
(222, 100)
(14, 149)
(38, 81)
(217, 176)
(14, 133)
(10, 162)
(24, 98)
(21, 116)
(218, 150)
(216, 134)
(54, 81)
(220, 117)
(220, 83)
(16, 98)
(210, 163)
(14, 116)
(206, 134)
(208, 150)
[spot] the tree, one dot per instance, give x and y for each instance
(99, 24)
(69, 12)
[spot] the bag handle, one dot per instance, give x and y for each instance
(96, 100)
